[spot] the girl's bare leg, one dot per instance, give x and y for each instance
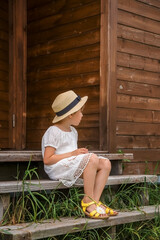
(95, 177)
(101, 177)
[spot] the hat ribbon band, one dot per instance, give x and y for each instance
(69, 107)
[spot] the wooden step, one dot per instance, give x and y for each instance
(20, 157)
(37, 185)
(50, 228)
(17, 156)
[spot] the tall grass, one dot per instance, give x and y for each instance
(36, 206)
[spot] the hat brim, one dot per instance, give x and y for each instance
(73, 110)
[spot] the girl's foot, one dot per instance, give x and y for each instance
(108, 210)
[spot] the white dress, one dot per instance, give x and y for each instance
(67, 170)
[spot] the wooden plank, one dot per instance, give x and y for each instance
(138, 35)
(4, 45)
(136, 75)
(138, 62)
(53, 7)
(13, 156)
(4, 36)
(134, 129)
(62, 57)
(67, 69)
(3, 55)
(3, 76)
(43, 123)
(3, 124)
(4, 5)
(4, 115)
(145, 155)
(47, 9)
(4, 96)
(70, 42)
(138, 89)
(41, 3)
(89, 134)
(126, 101)
(92, 93)
(154, 3)
(138, 115)
(64, 17)
(3, 14)
(3, 25)
(139, 49)
(139, 8)
(4, 106)
(46, 110)
(141, 168)
(139, 142)
(138, 22)
(39, 185)
(4, 133)
(70, 29)
(3, 86)
(83, 80)
(50, 228)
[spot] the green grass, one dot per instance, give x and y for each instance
(37, 206)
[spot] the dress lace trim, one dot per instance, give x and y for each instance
(79, 171)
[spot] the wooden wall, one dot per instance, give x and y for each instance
(63, 54)
(138, 83)
(4, 75)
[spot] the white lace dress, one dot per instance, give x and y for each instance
(67, 170)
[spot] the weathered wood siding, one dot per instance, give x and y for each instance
(138, 83)
(63, 54)
(4, 75)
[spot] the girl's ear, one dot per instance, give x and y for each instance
(70, 116)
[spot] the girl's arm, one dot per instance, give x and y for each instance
(50, 157)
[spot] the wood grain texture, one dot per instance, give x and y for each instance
(63, 54)
(51, 227)
(138, 79)
(40, 185)
(4, 75)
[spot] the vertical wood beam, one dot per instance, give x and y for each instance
(108, 64)
(103, 74)
(17, 75)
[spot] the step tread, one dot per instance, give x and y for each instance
(17, 156)
(52, 228)
(35, 185)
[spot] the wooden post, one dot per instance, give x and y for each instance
(108, 43)
(17, 73)
(4, 203)
(112, 53)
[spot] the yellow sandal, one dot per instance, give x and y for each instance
(108, 210)
(94, 214)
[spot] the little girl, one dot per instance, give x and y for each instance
(65, 162)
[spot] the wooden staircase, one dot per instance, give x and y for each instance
(49, 228)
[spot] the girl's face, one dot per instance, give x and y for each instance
(76, 118)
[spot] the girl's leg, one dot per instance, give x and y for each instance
(102, 175)
(95, 177)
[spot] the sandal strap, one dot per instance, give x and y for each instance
(94, 213)
(87, 204)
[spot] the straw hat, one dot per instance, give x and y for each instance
(67, 103)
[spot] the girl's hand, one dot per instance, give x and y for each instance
(79, 151)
